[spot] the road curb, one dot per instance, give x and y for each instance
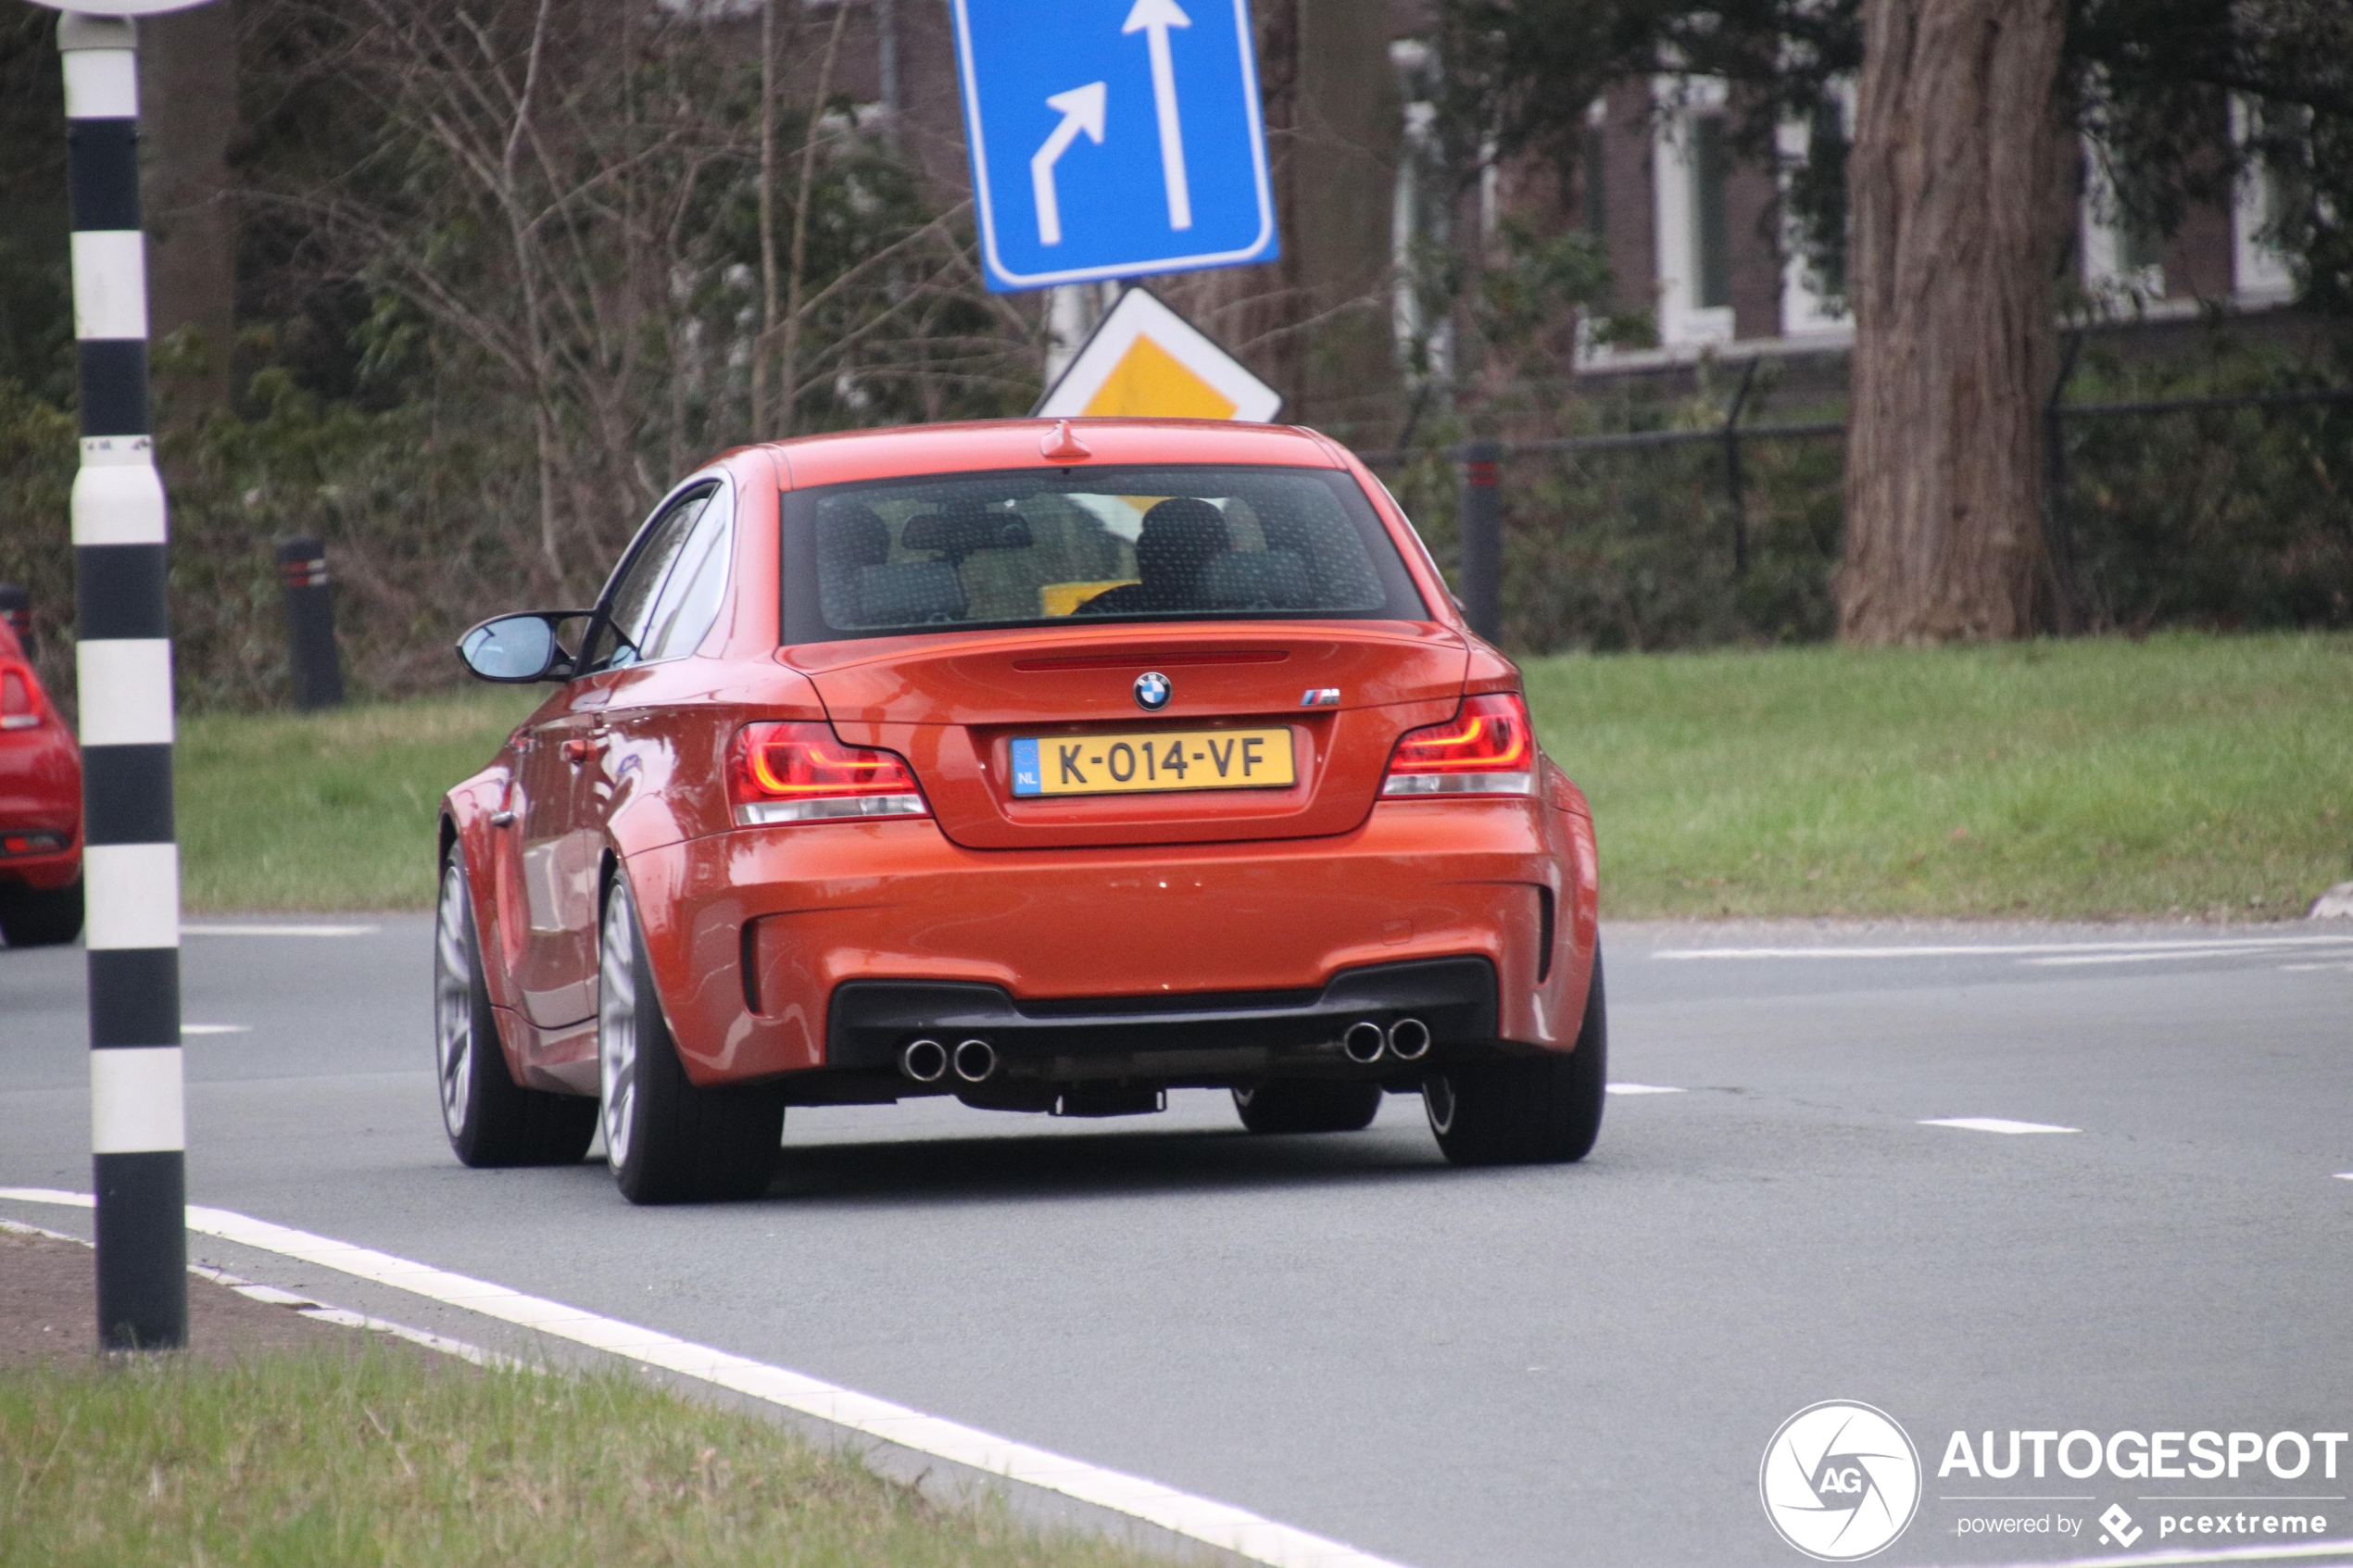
(950, 1464)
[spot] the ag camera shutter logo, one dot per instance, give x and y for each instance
(1840, 1481)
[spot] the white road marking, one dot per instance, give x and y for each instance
(216, 1029)
(2345, 1175)
(1220, 1524)
(1995, 1124)
(2006, 950)
(278, 931)
(1641, 1090)
(2340, 1549)
(2306, 968)
(2239, 950)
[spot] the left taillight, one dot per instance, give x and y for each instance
(19, 707)
(1487, 748)
(798, 772)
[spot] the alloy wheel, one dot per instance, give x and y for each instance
(1438, 1098)
(617, 1026)
(453, 1025)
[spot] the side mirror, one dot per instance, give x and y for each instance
(519, 649)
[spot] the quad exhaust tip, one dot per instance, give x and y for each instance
(925, 1061)
(1409, 1039)
(1363, 1042)
(976, 1060)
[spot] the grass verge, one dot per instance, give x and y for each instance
(382, 1457)
(331, 810)
(2184, 775)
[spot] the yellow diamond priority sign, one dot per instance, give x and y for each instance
(1144, 360)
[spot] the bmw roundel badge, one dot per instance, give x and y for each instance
(1151, 691)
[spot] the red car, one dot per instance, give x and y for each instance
(39, 809)
(1048, 766)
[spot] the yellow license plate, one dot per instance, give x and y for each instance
(1158, 760)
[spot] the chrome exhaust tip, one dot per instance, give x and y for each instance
(976, 1060)
(1363, 1042)
(1409, 1039)
(924, 1060)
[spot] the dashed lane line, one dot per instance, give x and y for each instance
(1232, 1529)
(2236, 950)
(1642, 1089)
(1995, 1124)
(279, 929)
(187, 1029)
(2186, 947)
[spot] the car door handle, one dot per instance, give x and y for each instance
(502, 819)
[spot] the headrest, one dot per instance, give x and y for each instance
(849, 534)
(1256, 580)
(1180, 536)
(958, 533)
(911, 594)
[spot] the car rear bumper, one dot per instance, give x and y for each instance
(40, 868)
(787, 949)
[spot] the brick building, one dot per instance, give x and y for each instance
(1699, 234)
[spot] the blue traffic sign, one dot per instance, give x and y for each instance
(1113, 138)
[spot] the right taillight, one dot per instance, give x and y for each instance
(800, 772)
(1486, 748)
(19, 710)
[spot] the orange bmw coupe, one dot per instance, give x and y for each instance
(1049, 765)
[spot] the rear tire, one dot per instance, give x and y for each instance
(1306, 1105)
(1544, 1109)
(491, 1120)
(40, 917)
(667, 1140)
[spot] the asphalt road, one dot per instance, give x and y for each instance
(1453, 1368)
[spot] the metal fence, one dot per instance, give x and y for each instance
(1482, 464)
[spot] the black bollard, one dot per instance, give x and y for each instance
(1482, 540)
(310, 623)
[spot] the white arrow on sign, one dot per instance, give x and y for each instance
(1082, 110)
(1153, 19)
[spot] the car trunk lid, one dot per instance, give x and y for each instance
(953, 704)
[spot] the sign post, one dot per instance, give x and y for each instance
(131, 862)
(1113, 138)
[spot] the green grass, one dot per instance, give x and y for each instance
(2184, 775)
(331, 812)
(381, 1457)
(2189, 775)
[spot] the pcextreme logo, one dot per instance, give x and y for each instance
(1840, 1480)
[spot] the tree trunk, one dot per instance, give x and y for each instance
(188, 69)
(1950, 273)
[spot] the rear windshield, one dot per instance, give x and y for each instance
(1030, 547)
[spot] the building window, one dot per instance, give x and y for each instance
(2260, 274)
(2123, 257)
(1691, 233)
(1711, 231)
(2140, 250)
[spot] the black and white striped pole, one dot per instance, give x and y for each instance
(130, 863)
